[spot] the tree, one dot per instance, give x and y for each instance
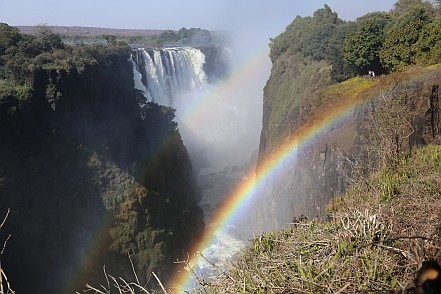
(362, 47)
(111, 39)
(167, 36)
(404, 6)
(341, 69)
(321, 34)
(48, 40)
(399, 48)
(312, 37)
(428, 46)
(9, 36)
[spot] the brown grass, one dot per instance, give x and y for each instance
(376, 238)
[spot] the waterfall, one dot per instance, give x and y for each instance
(216, 110)
(183, 78)
(164, 74)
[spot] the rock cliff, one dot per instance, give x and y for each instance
(297, 97)
(91, 178)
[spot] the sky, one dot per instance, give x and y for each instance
(251, 22)
(267, 16)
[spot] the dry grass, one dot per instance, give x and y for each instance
(121, 286)
(374, 241)
(5, 286)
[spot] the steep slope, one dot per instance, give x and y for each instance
(373, 242)
(298, 98)
(336, 125)
(90, 177)
(375, 235)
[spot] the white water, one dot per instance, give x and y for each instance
(215, 186)
(220, 130)
(171, 72)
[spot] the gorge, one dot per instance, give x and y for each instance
(91, 179)
(134, 158)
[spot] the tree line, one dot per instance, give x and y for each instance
(383, 42)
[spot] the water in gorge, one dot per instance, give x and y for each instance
(219, 120)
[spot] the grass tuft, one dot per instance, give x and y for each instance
(374, 240)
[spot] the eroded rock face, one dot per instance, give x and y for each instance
(296, 98)
(90, 179)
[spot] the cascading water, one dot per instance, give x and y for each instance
(164, 74)
(186, 78)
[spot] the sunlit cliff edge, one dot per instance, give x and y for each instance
(358, 206)
(375, 235)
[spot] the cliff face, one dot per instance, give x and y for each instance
(290, 97)
(91, 178)
(217, 62)
(299, 94)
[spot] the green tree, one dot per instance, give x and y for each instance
(312, 37)
(399, 48)
(184, 35)
(362, 47)
(404, 6)
(167, 36)
(47, 39)
(291, 38)
(341, 70)
(111, 39)
(9, 36)
(322, 34)
(428, 46)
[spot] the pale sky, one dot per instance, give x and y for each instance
(265, 17)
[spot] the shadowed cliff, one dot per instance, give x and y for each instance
(90, 177)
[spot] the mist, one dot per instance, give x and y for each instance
(220, 123)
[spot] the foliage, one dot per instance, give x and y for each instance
(341, 69)
(399, 45)
(382, 42)
(362, 47)
(47, 39)
(315, 37)
(194, 36)
(14, 94)
(428, 46)
(402, 7)
(21, 55)
(111, 39)
(9, 36)
(74, 111)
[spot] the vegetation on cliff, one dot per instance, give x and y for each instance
(89, 176)
(376, 235)
(315, 52)
(384, 221)
(382, 42)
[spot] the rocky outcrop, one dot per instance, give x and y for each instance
(297, 95)
(217, 62)
(90, 177)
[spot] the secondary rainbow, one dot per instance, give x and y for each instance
(236, 201)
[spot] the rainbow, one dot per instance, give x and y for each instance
(194, 109)
(236, 202)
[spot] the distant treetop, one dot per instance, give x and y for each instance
(410, 34)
